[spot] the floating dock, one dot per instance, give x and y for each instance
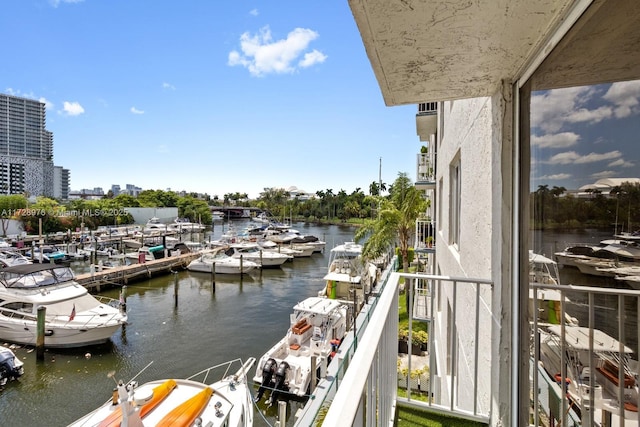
(123, 275)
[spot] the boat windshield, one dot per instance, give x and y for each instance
(34, 275)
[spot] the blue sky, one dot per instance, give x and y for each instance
(206, 96)
(582, 134)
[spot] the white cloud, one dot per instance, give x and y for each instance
(261, 55)
(571, 157)
(621, 163)
(134, 110)
(551, 109)
(56, 3)
(169, 86)
(253, 12)
(312, 58)
(72, 108)
(603, 174)
(47, 104)
(624, 96)
(558, 140)
(555, 177)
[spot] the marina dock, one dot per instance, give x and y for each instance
(95, 281)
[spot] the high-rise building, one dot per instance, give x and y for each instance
(60, 183)
(26, 149)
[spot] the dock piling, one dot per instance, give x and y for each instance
(42, 311)
(175, 290)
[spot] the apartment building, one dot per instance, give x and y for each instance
(479, 71)
(26, 150)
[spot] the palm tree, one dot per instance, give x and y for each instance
(396, 223)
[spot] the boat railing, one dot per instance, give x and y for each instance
(236, 367)
(87, 319)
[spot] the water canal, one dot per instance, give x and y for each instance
(205, 327)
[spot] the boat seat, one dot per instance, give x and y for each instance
(301, 330)
(610, 372)
(295, 346)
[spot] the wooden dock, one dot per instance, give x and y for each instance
(123, 275)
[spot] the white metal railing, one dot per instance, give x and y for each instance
(571, 356)
(428, 108)
(367, 395)
(425, 167)
(425, 234)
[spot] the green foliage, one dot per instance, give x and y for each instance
(407, 416)
(410, 256)
(195, 209)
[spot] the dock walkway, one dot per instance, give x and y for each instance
(123, 275)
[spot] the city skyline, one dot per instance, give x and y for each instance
(207, 97)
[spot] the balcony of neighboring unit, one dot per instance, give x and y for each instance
(427, 120)
(426, 171)
(425, 235)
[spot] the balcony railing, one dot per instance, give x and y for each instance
(367, 395)
(425, 168)
(428, 108)
(425, 234)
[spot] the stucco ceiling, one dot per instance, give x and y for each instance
(438, 50)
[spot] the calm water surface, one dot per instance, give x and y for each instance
(205, 328)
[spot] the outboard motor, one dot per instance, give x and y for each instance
(268, 370)
(281, 375)
(9, 369)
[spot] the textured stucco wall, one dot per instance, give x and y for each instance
(470, 130)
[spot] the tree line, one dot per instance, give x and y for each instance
(55, 215)
(551, 208)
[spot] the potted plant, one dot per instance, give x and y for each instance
(403, 341)
(429, 241)
(419, 339)
(424, 149)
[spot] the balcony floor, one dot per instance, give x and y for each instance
(407, 416)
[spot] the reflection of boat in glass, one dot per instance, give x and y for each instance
(180, 402)
(612, 363)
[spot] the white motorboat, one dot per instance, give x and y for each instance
(11, 368)
(217, 215)
(180, 402)
(348, 271)
(146, 254)
(251, 251)
(268, 245)
(570, 254)
(543, 270)
(223, 262)
(317, 328)
(183, 225)
(73, 317)
(155, 225)
(9, 258)
(302, 250)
